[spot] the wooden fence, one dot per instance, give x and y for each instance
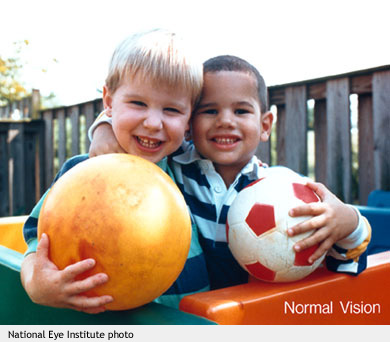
(332, 130)
(31, 150)
(79, 117)
(39, 147)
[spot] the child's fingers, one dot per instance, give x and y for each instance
(97, 310)
(313, 223)
(87, 284)
(311, 209)
(73, 270)
(42, 253)
(90, 304)
(43, 246)
(320, 189)
(321, 250)
(317, 238)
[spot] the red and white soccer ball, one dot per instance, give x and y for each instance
(257, 226)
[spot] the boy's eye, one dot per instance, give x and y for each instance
(208, 111)
(138, 103)
(173, 110)
(241, 111)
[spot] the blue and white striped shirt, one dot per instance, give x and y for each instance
(209, 200)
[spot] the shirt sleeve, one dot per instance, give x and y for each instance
(30, 227)
(102, 118)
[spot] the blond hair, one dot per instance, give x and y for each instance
(159, 56)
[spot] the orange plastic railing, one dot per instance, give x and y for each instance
(323, 297)
(11, 234)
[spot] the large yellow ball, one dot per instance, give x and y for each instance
(128, 215)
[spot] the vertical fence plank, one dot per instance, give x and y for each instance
(49, 150)
(263, 152)
(339, 168)
(16, 168)
(4, 189)
(381, 117)
(99, 105)
(30, 146)
(381, 124)
(320, 140)
(40, 161)
(281, 136)
(296, 129)
(61, 136)
(89, 118)
(74, 118)
(366, 148)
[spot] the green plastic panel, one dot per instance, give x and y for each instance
(16, 307)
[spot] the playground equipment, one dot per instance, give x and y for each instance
(321, 298)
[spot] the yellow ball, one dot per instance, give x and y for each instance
(127, 214)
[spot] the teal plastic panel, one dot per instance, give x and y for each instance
(16, 307)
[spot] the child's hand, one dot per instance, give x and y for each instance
(47, 285)
(104, 141)
(332, 219)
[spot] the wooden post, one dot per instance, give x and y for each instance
(89, 119)
(74, 117)
(320, 140)
(366, 148)
(30, 149)
(338, 174)
(4, 187)
(381, 124)
(295, 129)
(280, 136)
(61, 136)
(49, 150)
(16, 168)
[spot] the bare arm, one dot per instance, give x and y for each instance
(104, 141)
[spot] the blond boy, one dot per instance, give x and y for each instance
(151, 88)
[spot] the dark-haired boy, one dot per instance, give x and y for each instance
(226, 128)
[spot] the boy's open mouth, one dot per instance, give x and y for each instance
(148, 142)
(225, 141)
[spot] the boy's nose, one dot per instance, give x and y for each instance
(225, 119)
(153, 120)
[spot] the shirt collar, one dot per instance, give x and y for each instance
(163, 164)
(190, 155)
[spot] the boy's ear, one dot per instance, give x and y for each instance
(107, 101)
(266, 125)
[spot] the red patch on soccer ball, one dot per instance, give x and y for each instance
(261, 218)
(302, 256)
(260, 271)
(304, 193)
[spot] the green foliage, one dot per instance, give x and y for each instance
(11, 88)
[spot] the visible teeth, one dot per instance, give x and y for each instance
(148, 143)
(225, 140)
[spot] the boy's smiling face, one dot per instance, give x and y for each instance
(228, 124)
(148, 121)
